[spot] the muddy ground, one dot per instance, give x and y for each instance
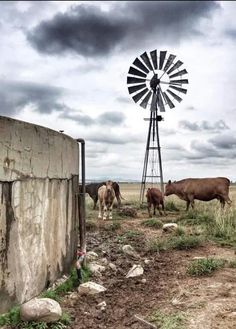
(207, 302)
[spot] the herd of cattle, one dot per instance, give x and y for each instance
(190, 189)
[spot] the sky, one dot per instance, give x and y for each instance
(64, 66)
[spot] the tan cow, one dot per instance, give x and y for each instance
(106, 196)
(204, 189)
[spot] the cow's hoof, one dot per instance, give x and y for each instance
(110, 217)
(104, 218)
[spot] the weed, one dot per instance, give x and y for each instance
(90, 225)
(179, 231)
(112, 227)
(232, 264)
(157, 245)
(155, 223)
(86, 273)
(205, 266)
(168, 321)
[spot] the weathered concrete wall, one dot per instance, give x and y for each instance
(38, 209)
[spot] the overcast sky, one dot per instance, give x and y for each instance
(64, 66)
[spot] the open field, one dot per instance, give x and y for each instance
(189, 279)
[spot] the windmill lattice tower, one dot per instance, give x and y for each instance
(155, 81)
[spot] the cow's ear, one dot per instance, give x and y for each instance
(169, 182)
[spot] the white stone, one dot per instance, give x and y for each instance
(41, 309)
(90, 288)
(96, 268)
(91, 256)
(112, 266)
(169, 227)
(129, 250)
(136, 270)
(102, 305)
(103, 261)
(147, 261)
(144, 280)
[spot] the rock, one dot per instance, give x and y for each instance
(102, 305)
(112, 266)
(96, 268)
(147, 261)
(41, 309)
(128, 250)
(90, 288)
(136, 270)
(103, 261)
(144, 280)
(91, 256)
(73, 295)
(170, 227)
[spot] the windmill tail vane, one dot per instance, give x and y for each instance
(156, 80)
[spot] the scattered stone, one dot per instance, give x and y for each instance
(144, 280)
(147, 261)
(136, 270)
(96, 268)
(73, 295)
(91, 256)
(90, 288)
(170, 227)
(102, 305)
(112, 266)
(103, 261)
(128, 250)
(196, 258)
(41, 309)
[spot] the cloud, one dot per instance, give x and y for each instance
(105, 119)
(15, 95)
(226, 142)
(203, 126)
(88, 30)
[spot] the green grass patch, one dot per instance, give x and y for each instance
(168, 321)
(171, 206)
(232, 264)
(113, 226)
(183, 242)
(128, 235)
(205, 266)
(154, 223)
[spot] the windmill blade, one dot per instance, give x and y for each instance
(179, 82)
(169, 62)
(134, 80)
(182, 72)
(146, 60)
(160, 102)
(175, 66)
(135, 88)
(181, 90)
(179, 99)
(162, 58)
(139, 95)
(140, 65)
(154, 58)
(168, 101)
(134, 71)
(145, 101)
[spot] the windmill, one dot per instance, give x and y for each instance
(155, 82)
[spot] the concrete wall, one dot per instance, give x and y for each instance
(38, 208)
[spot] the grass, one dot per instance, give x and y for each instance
(171, 206)
(168, 321)
(113, 226)
(232, 264)
(154, 223)
(180, 242)
(128, 235)
(205, 266)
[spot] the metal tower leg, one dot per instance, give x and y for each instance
(153, 132)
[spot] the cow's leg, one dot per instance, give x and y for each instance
(95, 200)
(187, 203)
(149, 210)
(104, 212)
(154, 210)
(159, 209)
(192, 204)
(100, 209)
(163, 207)
(110, 212)
(222, 202)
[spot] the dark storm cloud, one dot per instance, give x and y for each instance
(203, 126)
(15, 95)
(104, 119)
(89, 31)
(224, 142)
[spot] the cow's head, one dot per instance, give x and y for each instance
(169, 189)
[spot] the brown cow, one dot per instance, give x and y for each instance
(155, 198)
(106, 196)
(204, 189)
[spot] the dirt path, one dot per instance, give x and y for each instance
(206, 302)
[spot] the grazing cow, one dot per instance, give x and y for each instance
(204, 189)
(92, 190)
(155, 198)
(106, 196)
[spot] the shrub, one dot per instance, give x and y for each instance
(170, 206)
(205, 266)
(185, 242)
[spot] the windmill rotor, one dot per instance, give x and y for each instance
(160, 73)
